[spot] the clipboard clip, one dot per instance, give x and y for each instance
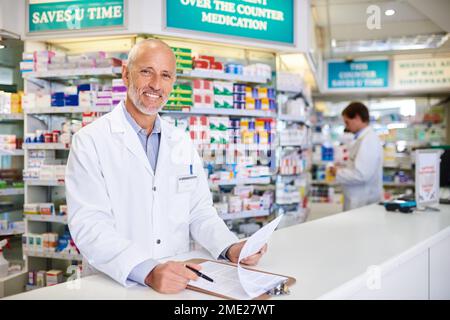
(279, 290)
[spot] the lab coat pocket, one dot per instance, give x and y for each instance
(186, 183)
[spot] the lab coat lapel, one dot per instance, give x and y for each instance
(120, 125)
(164, 148)
(357, 143)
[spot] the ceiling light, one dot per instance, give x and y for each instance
(389, 12)
(2, 46)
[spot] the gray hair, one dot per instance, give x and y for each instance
(132, 54)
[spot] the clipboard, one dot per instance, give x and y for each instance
(265, 296)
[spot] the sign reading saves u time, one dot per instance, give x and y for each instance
(47, 15)
(270, 20)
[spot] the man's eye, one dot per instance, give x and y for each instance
(145, 72)
(167, 76)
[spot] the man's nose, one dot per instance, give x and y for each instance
(155, 83)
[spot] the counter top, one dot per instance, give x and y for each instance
(329, 257)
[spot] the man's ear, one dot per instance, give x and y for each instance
(125, 75)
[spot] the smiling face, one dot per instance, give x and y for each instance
(149, 76)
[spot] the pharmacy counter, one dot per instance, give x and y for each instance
(366, 253)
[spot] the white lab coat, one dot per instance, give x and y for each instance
(362, 179)
(118, 208)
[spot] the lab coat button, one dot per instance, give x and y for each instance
(158, 241)
(154, 188)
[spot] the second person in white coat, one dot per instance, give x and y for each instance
(362, 179)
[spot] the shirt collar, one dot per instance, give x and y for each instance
(137, 128)
(357, 134)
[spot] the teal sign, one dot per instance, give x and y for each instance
(74, 15)
(270, 20)
(368, 74)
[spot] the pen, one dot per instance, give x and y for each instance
(201, 275)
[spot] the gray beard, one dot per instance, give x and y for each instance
(134, 97)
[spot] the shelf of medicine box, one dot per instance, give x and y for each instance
(45, 146)
(73, 73)
(13, 275)
(52, 255)
(241, 181)
(214, 75)
(11, 116)
(11, 191)
(16, 152)
(395, 185)
(44, 183)
(72, 109)
(245, 214)
(224, 112)
(46, 218)
(296, 94)
(237, 146)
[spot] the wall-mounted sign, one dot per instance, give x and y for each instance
(367, 74)
(50, 15)
(270, 20)
(427, 177)
(433, 73)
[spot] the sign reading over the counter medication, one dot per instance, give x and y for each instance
(51, 15)
(367, 74)
(271, 20)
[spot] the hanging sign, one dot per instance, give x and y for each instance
(50, 15)
(361, 74)
(271, 20)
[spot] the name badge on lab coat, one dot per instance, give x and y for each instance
(186, 183)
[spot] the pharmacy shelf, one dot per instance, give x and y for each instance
(73, 109)
(70, 73)
(44, 183)
(397, 168)
(13, 275)
(395, 185)
(53, 255)
(245, 214)
(12, 232)
(215, 75)
(326, 183)
(16, 152)
(223, 112)
(285, 117)
(11, 191)
(232, 182)
(45, 146)
(46, 218)
(11, 116)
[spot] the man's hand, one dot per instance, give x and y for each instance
(234, 251)
(171, 277)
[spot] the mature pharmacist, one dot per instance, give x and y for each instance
(136, 187)
(361, 179)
